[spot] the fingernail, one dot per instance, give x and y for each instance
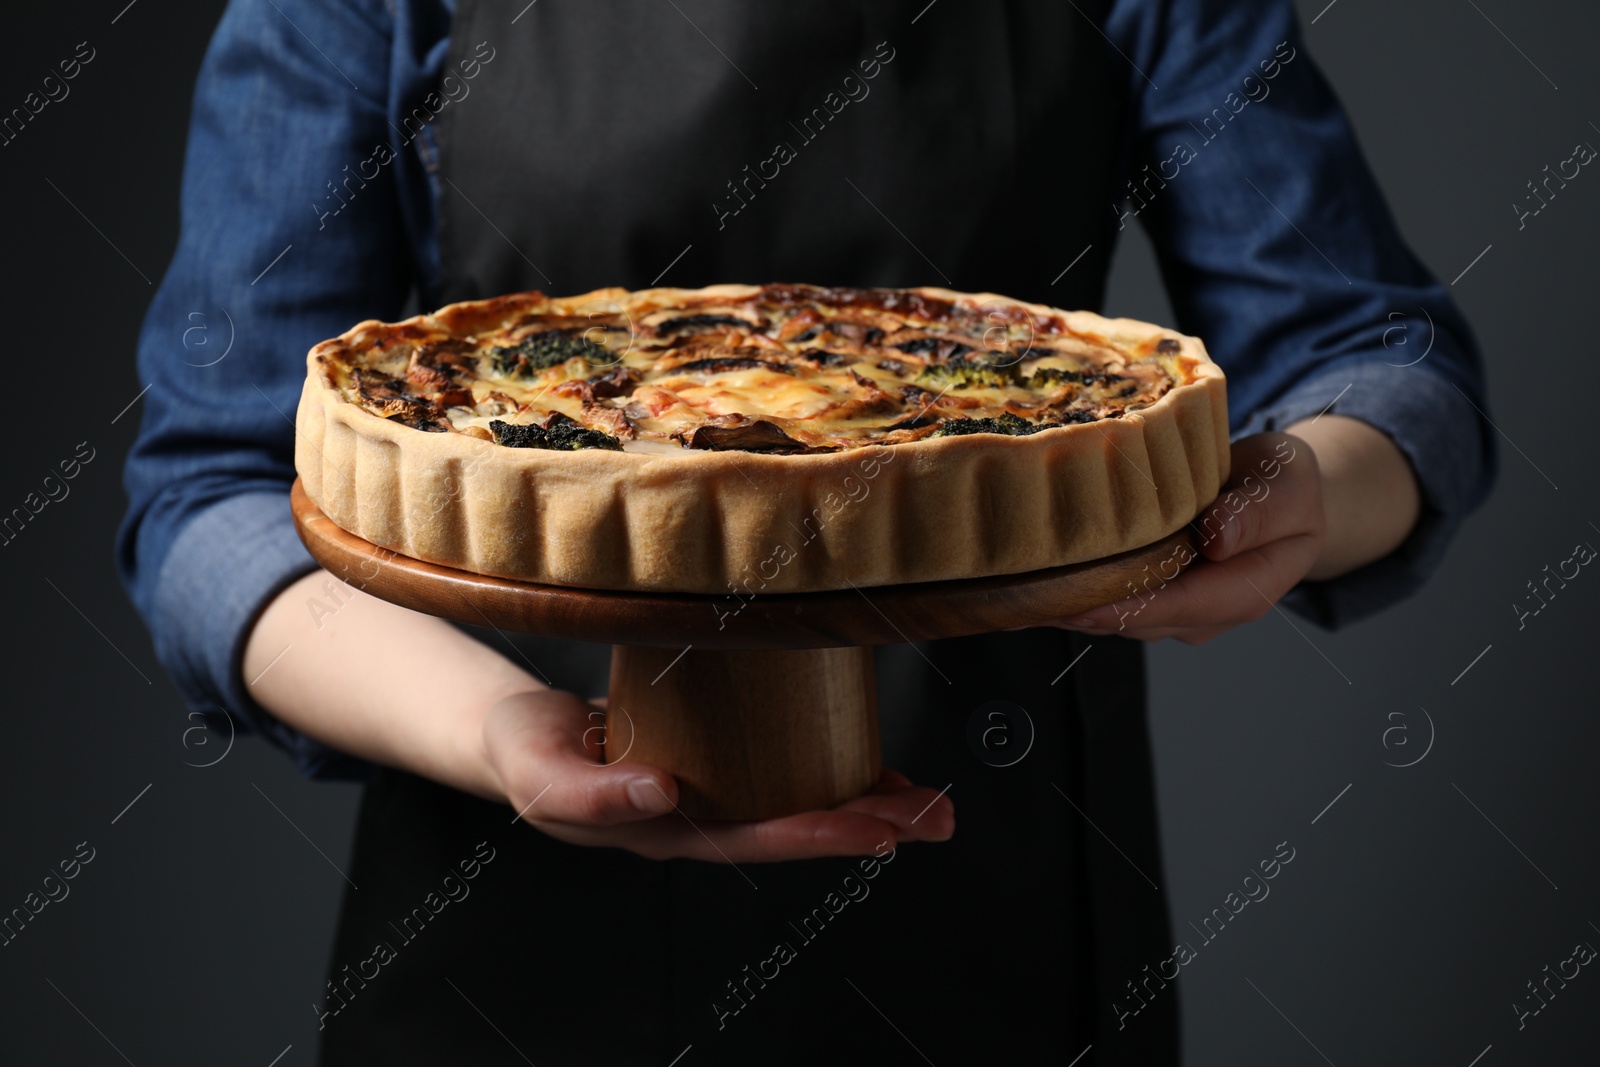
(1084, 621)
(648, 797)
(1229, 538)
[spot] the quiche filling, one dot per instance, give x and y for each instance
(787, 369)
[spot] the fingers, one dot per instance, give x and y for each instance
(1273, 492)
(546, 747)
(1210, 596)
(916, 813)
(809, 835)
(1259, 539)
(812, 835)
(891, 814)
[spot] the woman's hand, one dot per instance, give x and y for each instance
(1331, 495)
(544, 749)
(478, 722)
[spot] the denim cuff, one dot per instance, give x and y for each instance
(223, 569)
(1441, 433)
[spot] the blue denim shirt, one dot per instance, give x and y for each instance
(1274, 243)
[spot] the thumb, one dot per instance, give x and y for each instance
(1273, 493)
(545, 746)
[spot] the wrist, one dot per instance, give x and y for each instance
(1370, 497)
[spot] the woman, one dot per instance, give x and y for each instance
(459, 151)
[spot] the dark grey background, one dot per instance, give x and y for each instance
(1417, 906)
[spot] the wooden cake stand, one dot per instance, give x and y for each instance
(760, 707)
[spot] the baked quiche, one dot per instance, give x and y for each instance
(777, 438)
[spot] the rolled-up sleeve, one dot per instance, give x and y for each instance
(1278, 250)
(282, 244)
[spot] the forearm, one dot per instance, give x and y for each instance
(380, 681)
(1370, 498)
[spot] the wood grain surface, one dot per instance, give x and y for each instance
(748, 734)
(878, 615)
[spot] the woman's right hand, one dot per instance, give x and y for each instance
(544, 749)
(474, 720)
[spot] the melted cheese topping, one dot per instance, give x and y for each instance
(754, 376)
(753, 392)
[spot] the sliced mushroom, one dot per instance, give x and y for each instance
(757, 436)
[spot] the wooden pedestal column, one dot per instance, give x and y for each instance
(748, 734)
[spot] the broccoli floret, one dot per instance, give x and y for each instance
(1053, 376)
(559, 432)
(1057, 375)
(541, 351)
(964, 372)
(1004, 423)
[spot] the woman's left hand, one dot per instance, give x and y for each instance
(1257, 541)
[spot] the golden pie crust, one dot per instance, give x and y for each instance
(858, 505)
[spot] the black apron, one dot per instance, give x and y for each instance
(635, 144)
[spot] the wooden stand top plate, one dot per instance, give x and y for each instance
(877, 615)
